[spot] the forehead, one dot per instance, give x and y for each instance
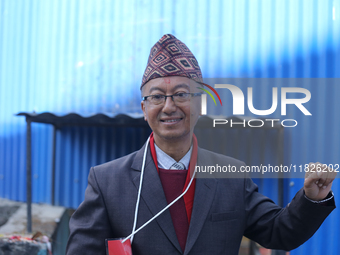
(169, 84)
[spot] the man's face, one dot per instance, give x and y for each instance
(170, 120)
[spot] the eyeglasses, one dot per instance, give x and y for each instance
(178, 98)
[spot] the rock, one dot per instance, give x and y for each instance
(6, 212)
(22, 248)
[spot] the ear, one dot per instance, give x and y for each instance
(200, 107)
(203, 102)
(142, 104)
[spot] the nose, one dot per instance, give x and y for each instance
(169, 106)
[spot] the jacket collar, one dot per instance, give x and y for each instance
(204, 196)
(153, 195)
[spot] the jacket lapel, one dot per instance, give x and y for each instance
(153, 195)
(204, 195)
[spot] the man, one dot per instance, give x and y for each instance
(214, 213)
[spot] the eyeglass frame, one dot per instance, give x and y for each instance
(172, 96)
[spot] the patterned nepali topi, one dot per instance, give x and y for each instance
(171, 57)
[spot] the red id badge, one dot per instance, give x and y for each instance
(115, 246)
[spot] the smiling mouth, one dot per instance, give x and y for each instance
(171, 121)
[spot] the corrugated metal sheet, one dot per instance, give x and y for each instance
(88, 57)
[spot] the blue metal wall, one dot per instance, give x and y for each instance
(89, 56)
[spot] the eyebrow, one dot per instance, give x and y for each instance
(181, 85)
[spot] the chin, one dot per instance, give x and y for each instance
(173, 135)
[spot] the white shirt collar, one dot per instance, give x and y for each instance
(165, 161)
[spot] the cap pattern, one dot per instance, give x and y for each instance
(171, 57)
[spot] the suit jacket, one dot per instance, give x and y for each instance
(224, 210)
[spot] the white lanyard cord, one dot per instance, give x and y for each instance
(139, 191)
(138, 198)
